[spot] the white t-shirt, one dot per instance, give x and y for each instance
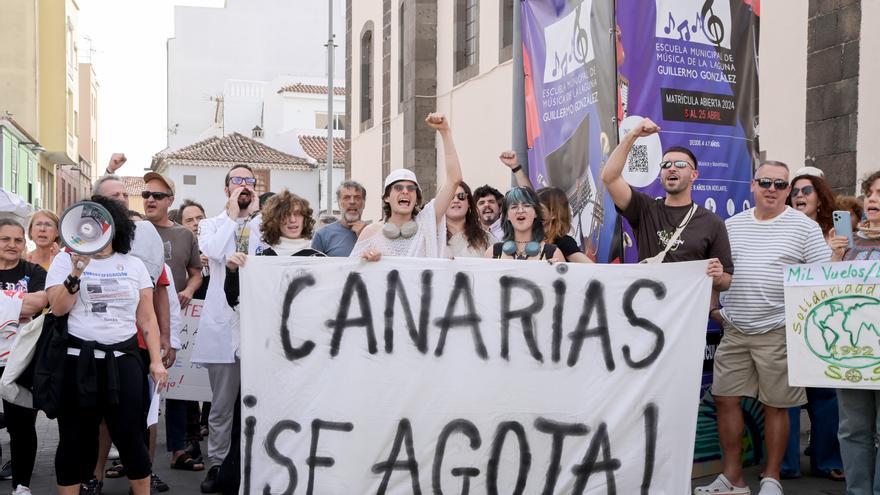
(755, 302)
(428, 242)
(105, 310)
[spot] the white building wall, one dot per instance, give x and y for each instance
(366, 146)
(248, 39)
(242, 106)
(782, 74)
(869, 99)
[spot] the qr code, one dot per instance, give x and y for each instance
(638, 159)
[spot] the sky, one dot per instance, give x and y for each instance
(127, 39)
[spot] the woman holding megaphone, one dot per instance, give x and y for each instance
(105, 297)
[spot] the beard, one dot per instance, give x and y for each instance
(489, 217)
(351, 217)
(244, 199)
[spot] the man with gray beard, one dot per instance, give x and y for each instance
(338, 238)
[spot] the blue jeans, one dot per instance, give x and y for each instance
(175, 424)
(859, 426)
(822, 409)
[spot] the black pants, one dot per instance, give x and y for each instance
(20, 423)
(78, 426)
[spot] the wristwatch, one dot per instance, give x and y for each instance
(72, 284)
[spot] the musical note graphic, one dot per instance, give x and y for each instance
(713, 28)
(682, 28)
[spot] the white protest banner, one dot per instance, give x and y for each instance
(412, 376)
(187, 380)
(832, 319)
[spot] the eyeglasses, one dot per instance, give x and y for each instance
(676, 164)
(524, 206)
(158, 196)
(766, 182)
(806, 190)
(44, 225)
(402, 187)
(242, 180)
(461, 196)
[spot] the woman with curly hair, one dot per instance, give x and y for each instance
(812, 196)
(105, 298)
(287, 225)
(523, 228)
(557, 223)
(465, 237)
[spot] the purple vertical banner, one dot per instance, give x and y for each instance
(691, 67)
(568, 55)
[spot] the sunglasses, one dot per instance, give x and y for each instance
(243, 180)
(676, 164)
(158, 196)
(461, 196)
(765, 183)
(408, 187)
(806, 190)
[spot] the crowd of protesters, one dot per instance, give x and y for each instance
(119, 309)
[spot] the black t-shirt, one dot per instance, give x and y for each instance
(567, 245)
(25, 277)
(654, 223)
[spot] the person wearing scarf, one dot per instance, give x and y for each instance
(860, 409)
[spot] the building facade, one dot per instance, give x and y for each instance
(59, 101)
(407, 58)
(199, 170)
(246, 40)
(19, 160)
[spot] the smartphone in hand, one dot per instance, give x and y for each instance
(843, 225)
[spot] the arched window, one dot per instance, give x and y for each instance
(367, 75)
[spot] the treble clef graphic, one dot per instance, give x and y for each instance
(580, 42)
(713, 27)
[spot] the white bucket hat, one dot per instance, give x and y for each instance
(399, 175)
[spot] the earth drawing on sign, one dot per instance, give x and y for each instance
(845, 331)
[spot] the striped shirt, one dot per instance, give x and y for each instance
(760, 248)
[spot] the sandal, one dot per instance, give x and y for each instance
(117, 470)
(836, 475)
(185, 462)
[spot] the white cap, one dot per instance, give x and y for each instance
(399, 175)
(814, 171)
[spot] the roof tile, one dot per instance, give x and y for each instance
(316, 147)
(311, 89)
(235, 148)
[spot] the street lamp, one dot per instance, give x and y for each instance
(34, 146)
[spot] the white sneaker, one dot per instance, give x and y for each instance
(721, 486)
(21, 490)
(770, 486)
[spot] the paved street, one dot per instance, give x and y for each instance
(44, 473)
(186, 482)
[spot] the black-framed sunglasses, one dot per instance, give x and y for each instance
(676, 164)
(806, 190)
(408, 187)
(158, 196)
(766, 182)
(461, 196)
(243, 180)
